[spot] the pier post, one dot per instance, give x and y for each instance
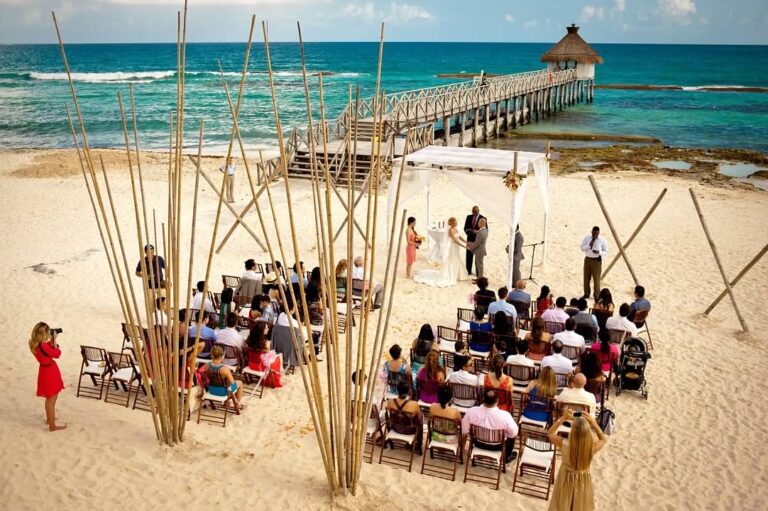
(514, 111)
(506, 114)
(486, 120)
(446, 130)
(463, 120)
(496, 120)
(475, 115)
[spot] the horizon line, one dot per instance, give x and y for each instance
(372, 41)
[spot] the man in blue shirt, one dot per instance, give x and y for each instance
(640, 303)
(207, 334)
(502, 305)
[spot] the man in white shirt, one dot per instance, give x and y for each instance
(295, 275)
(229, 168)
(559, 363)
(520, 358)
(230, 337)
(197, 299)
(161, 318)
(489, 416)
(569, 337)
(558, 314)
(250, 281)
(621, 322)
(461, 374)
(501, 305)
(359, 274)
(576, 394)
(595, 248)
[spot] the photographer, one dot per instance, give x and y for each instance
(42, 344)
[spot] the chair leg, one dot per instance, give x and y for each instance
(128, 399)
(468, 462)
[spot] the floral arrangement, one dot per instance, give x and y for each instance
(512, 180)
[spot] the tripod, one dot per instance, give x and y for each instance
(533, 259)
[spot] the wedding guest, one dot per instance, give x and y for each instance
(640, 304)
(502, 305)
(496, 379)
(595, 248)
(538, 340)
(544, 301)
(261, 356)
(298, 274)
(604, 301)
(621, 322)
(42, 344)
(519, 294)
(430, 373)
(358, 273)
(520, 358)
(411, 246)
(556, 314)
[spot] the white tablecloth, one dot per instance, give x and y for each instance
(438, 241)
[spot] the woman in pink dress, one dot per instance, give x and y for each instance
(410, 249)
(42, 344)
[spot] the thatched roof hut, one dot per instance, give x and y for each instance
(572, 48)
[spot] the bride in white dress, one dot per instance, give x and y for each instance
(453, 268)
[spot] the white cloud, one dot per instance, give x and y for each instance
(531, 24)
(365, 11)
(396, 13)
(676, 10)
(620, 5)
(589, 12)
(509, 18)
(193, 3)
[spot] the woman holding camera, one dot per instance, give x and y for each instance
(573, 487)
(42, 344)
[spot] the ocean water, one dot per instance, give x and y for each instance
(34, 91)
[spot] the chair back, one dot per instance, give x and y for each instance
(465, 396)
(521, 375)
(602, 316)
(572, 353)
(444, 426)
(463, 317)
(230, 281)
(403, 422)
(554, 327)
(562, 406)
(483, 301)
(448, 360)
(536, 441)
(562, 380)
(617, 336)
(230, 352)
(596, 387)
(489, 437)
(523, 308)
(447, 337)
(93, 355)
(242, 300)
(119, 361)
(588, 332)
(640, 317)
(215, 379)
(482, 365)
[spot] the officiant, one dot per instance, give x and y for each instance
(470, 229)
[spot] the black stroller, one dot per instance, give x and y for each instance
(632, 364)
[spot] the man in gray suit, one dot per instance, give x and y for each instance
(478, 246)
(517, 255)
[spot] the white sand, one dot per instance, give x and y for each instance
(695, 444)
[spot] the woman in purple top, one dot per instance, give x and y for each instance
(430, 378)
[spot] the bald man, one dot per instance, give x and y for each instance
(576, 394)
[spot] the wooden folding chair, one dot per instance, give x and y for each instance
(601, 315)
(483, 301)
(617, 336)
(537, 404)
(227, 402)
(482, 364)
(444, 442)
(535, 471)
(481, 340)
(641, 320)
(96, 366)
(123, 372)
(464, 396)
(254, 380)
(588, 332)
(553, 327)
(230, 281)
(463, 318)
(404, 422)
(521, 376)
(447, 338)
(598, 388)
(448, 361)
(571, 352)
(232, 353)
(242, 301)
(491, 454)
(374, 432)
(562, 380)
(560, 407)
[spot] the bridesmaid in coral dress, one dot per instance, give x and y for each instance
(410, 249)
(42, 344)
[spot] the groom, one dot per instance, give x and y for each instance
(471, 226)
(477, 247)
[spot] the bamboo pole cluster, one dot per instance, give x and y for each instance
(339, 412)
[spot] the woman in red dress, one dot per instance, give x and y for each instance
(410, 249)
(42, 344)
(260, 356)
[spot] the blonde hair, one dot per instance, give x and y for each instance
(452, 221)
(520, 284)
(546, 385)
(341, 266)
(580, 444)
(40, 334)
(217, 352)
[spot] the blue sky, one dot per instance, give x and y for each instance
(612, 21)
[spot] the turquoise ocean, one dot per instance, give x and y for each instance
(34, 91)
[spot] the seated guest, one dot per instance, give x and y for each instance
(183, 322)
(502, 305)
(430, 377)
(621, 322)
(341, 277)
(478, 325)
(396, 366)
(405, 414)
(363, 388)
(569, 337)
(229, 336)
(482, 289)
(298, 273)
(590, 366)
(461, 348)
(544, 386)
(207, 335)
(267, 310)
(604, 301)
(573, 307)
(197, 299)
(216, 366)
(607, 352)
(538, 340)
(358, 273)
(559, 363)
(520, 358)
(575, 393)
(583, 317)
(161, 317)
(505, 347)
(519, 294)
(227, 305)
(489, 416)
(496, 379)
(314, 286)
(640, 304)
(261, 356)
(557, 314)
(480, 340)
(444, 410)
(250, 281)
(422, 346)
(544, 301)
(463, 371)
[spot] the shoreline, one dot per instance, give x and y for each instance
(687, 88)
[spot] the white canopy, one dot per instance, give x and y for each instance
(478, 174)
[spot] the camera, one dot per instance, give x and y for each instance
(56, 330)
(577, 414)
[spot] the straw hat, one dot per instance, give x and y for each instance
(270, 278)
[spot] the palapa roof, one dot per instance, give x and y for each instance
(572, 47)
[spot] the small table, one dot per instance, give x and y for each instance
(438, 241)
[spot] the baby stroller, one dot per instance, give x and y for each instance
(632, 363)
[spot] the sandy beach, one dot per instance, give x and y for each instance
(696, 443)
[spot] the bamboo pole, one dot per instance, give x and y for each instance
(720, 267)
(613, 229)
(636, 232)
(737, 279)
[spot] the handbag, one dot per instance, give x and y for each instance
(607, 421)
